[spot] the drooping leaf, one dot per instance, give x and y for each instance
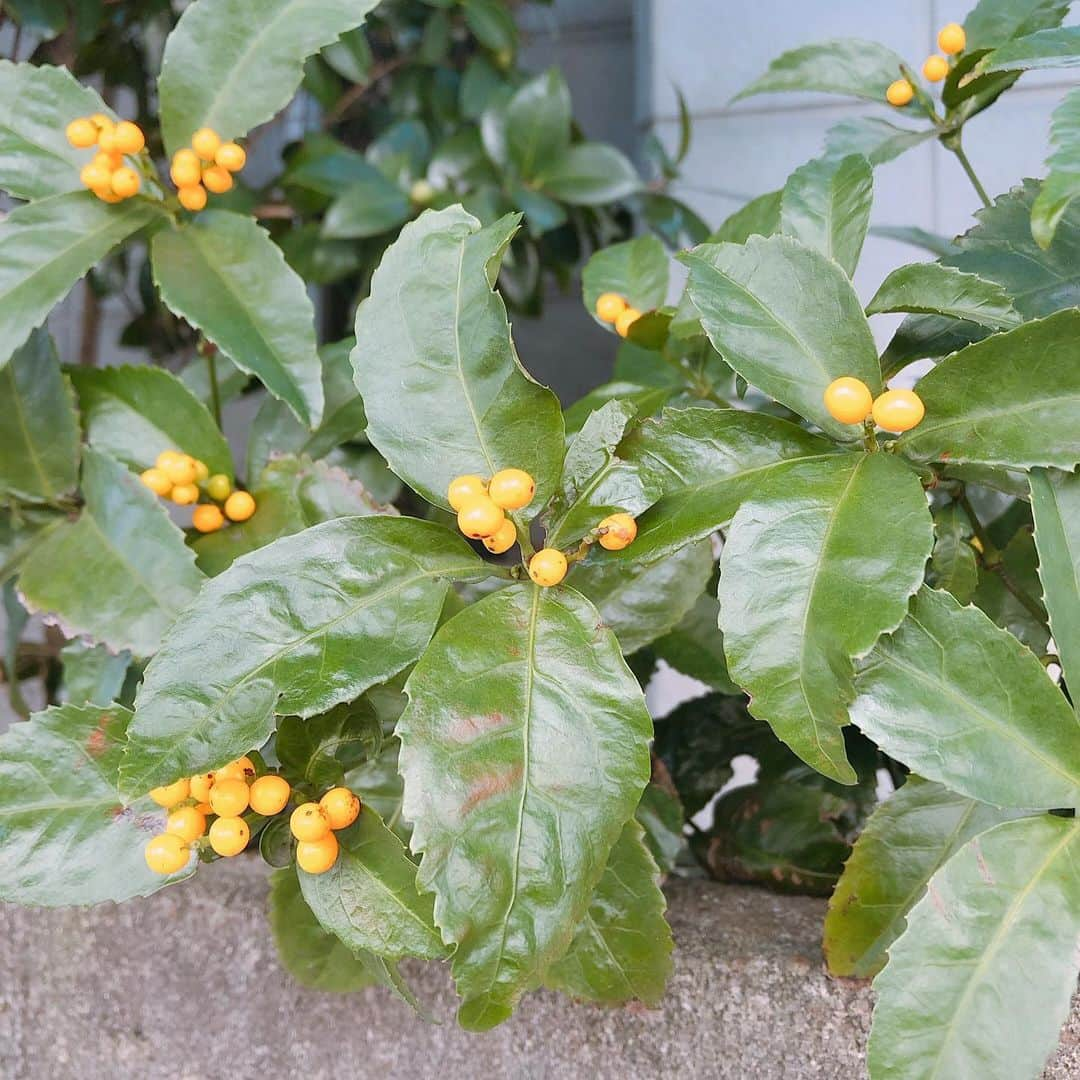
(786, 318)
(876, 139)
(589, 174)
(232, 64)
(46, 246)
(636, 269)
(907, 839)
(1011, 400)
(993, 22)
(538, 122)
(826, 204)
(1058, 47)
(1062, 185)
(933, 289)
(92, 674)
(120, 573)
(39, 438)
(67, 840)
(287, 618)
(803, 591)
(696, 647)
(759, 217)
(953, 564)
(370, 205)
(980, 982)
(962, 702)
(320, 750)
(524, 752)
(434, 332)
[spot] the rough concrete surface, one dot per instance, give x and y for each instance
(185, 986)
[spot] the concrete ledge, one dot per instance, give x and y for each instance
(185, 986)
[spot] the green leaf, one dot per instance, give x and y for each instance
(292, 613)
(46, 246)
(232, 64)
(492, 24)
(696, 647)
(787, 319)
(589, 174)
(134, 413)
(961, 701)
(1012, 400)
(647, 399)
(637, 270)
(66, 838)
(37, 102)
(311, 955)
(642, 601)
(227, 278)
(707, 462)
(369, 897)
(120, 573)
(794, 615)
(370, 205)
(379, 785)
(661, 814)
(916, 237)
(39, 439)
(1058, 47)
(1055, 504)
(1063, 183)
(92, 674)
(876, 139)
(759, 217)
(907, 839)
(846, 66)
(524, 751)
(622, 949)
(953, 564)
(433, 332)
(21, 530)
(1019, 561)
(826, 204)
(993, 22)
(933, 289)
(538, 122)
(322, 749)
(980, 982)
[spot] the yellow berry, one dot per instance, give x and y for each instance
(609, 306)
(187, 822)
(166, 458)
(511, 489)
(109, 162)
(308, 822)
(617, 531)
(156, 481)
(128, 138)
(627, 317)
(317, 856)
(547, 567)
(848, 400)
(205, 143)
(166, 853)
(171, 794)
(422, 192)
(229, 835)
(503, 539)
(186, 169)
(239, 506)
(218, 487)
(217, 179)
(898, 410)
(935, 68)
(269, 794)
(479, 517)
(96, 177)
(201, 470)
(184, 494)
(207, 518)
(341, 807)
(233, 771)
(192, 197)
(464, 488)
(201, 785)
(951, 39)
(125, 182)
(899, 93)
(82, 133)
(99, 120)
(180, 469)
(204, 808)
(229, 798)
(247, 768)
(230, 156)
(107, 138)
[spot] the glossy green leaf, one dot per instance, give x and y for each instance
(320, 750)
(1062, 185)
(993, 22)
(524, 752)
(21, 530)
(369, 898)
(120, 573)
(759, 217)
(980, 982)
(786, 318)
(661, 815)
(1058, 47)
(826, 204)
(933, 289)
(961, 701)
(134, 413)
(233, 64)
(907, 839)
(804, 590)
(67, 840)
(46, 246)
(622, 949)
(1012, 400)
(379, 785)
(370, 205)
(39, 439)
(646, 398)
(93, 675)
(1019, 561)
(696, 647)
(37, 102)
(707, 461)
(636, 269)
(933, 242)
(288, 618)
(227, 278)
(433, 332)
(876, 139)
(492, 23)
(846, 66)
(231, 381)
(589, 174)
(953, 563)
(538, 122)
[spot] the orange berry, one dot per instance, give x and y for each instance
(464, 488)
(239, 506)
(156, 481)
(270, 794)
(308, 822)
(479, 517)
(247, 768)
(899, 93)
(547, 567)
(217, 179)
(511, 489)
(186, 169)
(201, 471)
(621, 531)
(229, 836)
(935, 68)
(184, 494)
(207, 518)
(848, 400)
(898, 410)
(233, 771)
(96, 177)
(609, 306)
(107, 138)
(81, 133)
(125, 182)
(128, 138)
(503, 539)
(170, 794)
(341, 807)
(187, 822)
(166, 853)
(205, 143)
(951, 39)
(230, 156)
(192, 197)
(626, 318)
(201, 785)
(229, 798)
(317, 856)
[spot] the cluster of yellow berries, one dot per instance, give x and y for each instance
(951, 41)
(106, 175)
(206, 165)
(179, 476)
(480, 506)
(314, 823)
(613, 308)
(849, 400)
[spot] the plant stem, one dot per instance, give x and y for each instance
(958, 150)
(210, 355)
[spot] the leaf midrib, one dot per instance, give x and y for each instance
(47, 488)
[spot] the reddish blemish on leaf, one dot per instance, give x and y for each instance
(97, 740)
(487, 787)
(467, 728)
